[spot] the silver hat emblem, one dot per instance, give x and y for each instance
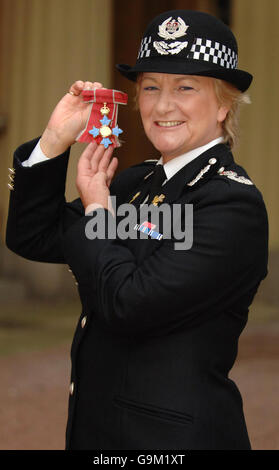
(172, 29)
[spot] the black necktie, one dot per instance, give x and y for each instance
(157, 180)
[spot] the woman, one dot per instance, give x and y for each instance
(159, 327)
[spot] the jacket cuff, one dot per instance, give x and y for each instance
(38, 178)
(84, 242)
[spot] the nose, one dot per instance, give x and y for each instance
(165, 102)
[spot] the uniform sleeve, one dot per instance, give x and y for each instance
(38, 212)
(172, 288)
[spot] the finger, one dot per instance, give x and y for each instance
(112, 169)
(92, 85)
(84, 162)
(101, 158)
(77, 87)
(96, 157)
(88, 85)
(97, 85)
(105, 160)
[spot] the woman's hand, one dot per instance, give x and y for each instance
(96, 168)
(67, 120)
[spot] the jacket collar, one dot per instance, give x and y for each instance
(196, 173)
(174, 165)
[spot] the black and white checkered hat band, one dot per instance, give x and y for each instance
(202, 49)
(145, 48)
(210, 51)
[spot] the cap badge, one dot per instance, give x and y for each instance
(172, 29)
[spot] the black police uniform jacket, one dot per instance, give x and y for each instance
(150, 365)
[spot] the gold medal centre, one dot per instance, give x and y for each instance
(105, 131)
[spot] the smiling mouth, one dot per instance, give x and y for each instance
(168, 123)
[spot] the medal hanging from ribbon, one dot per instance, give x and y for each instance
(102, 125)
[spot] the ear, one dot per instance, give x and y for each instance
(222, 113)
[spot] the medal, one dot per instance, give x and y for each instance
(102, 125)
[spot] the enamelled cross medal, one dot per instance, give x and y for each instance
(102, 125)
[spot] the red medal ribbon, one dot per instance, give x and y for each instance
(98, 98)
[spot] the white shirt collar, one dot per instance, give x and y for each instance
(174, 165)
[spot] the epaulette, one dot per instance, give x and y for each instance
(234, 176)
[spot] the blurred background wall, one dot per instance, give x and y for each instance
(45, 45)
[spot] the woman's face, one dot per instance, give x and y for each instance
(179, 112)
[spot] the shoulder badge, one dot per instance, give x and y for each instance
(234, 176)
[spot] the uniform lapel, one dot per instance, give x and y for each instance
(197, 172)
(138, 195)
(190, 177)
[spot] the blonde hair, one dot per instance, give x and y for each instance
(227, 95)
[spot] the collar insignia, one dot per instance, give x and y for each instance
(134, 197)
(148, 174)
(158, 199)
(204, 170)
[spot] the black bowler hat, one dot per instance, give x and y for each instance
(192, 43)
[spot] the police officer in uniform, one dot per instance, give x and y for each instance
(159, 326)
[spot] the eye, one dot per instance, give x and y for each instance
(150, 88)
(186, 88)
